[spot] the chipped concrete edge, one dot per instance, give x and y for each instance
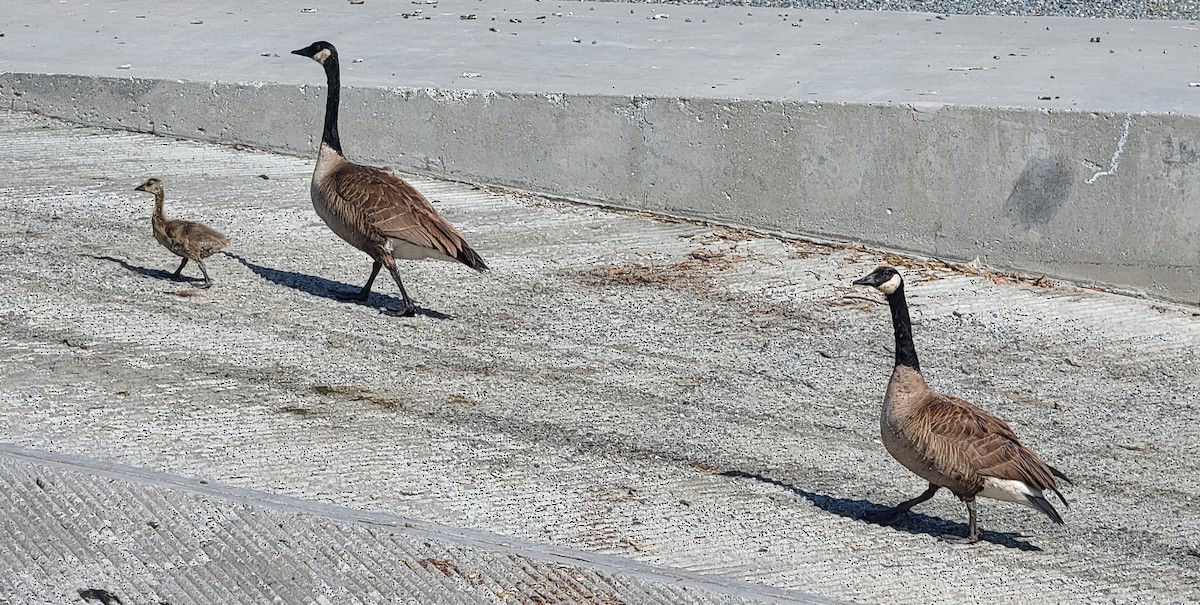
(1089, 197)
(394, 523)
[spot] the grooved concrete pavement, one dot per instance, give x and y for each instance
(687, 397)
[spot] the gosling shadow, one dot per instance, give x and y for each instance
(328, 288)
(911, 522)
(146, 271)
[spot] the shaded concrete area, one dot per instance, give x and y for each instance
(671, 394)
(1048, 145)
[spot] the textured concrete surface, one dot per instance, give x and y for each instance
(85, 529)
(1051, 145)
(669, 394)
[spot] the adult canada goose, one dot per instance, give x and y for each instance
(948, 441)
(372, 209)
(188, 239)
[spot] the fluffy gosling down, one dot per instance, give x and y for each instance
(948, 441)
(372, 209)
(188, 239)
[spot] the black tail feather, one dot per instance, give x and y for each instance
(469, 257)
(1044, 505)
(1060, 475)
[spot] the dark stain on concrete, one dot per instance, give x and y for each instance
(1040, 191)
(1179, 151)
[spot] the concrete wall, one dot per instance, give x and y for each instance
(1016, 188)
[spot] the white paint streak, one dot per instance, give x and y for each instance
(1116, 157)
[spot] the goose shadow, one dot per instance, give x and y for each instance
(328, 288)
(146, 271)
(911, 522)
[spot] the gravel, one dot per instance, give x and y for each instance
(1114, 9)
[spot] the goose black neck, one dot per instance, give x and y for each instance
(334, 79)
(906, 351)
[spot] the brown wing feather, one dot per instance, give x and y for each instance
(385, 206)
(194, 240)
(967, 444)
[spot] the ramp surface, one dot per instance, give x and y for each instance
(666, 399)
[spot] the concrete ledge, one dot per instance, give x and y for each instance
(1108, 196)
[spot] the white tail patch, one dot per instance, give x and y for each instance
(890, 285)
(1009, 490)
(410, 251)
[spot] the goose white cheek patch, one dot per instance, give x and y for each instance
(321, 56)
(890, 285)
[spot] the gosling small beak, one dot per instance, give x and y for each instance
(141, 187)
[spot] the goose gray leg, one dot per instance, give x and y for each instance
(409, 308)
(972, 533)
(361, 295)
(207, 282)
(183, 264)
(886, 517)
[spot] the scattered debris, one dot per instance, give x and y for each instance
(357, 393)
(470, 74)
(1135, 448)
(308, 10)
(470, 17)
(447, 568)
(99, 595)
(461, 399)
(75, 343)
(125, 66)
(1095, 40)
(197, 22)
(356, 61)
(357, 1)
(627, 541)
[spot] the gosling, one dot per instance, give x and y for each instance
(187, 239)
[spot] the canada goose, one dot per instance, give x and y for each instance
(189, 239)
(372, 209)
(948, 441)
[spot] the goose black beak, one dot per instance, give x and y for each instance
(141, 187)
(300, 51)
(863, 281)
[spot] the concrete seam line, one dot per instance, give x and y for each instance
(398, 524)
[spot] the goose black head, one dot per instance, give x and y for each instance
(319, 51)
(884, 279)
(150, 186)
